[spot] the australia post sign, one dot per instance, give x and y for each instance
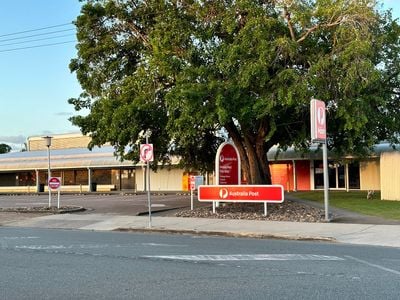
(227, 164)
(241, 193)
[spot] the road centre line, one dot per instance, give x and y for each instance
(248, 257)
(373, 265)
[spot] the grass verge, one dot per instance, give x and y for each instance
(356, 201)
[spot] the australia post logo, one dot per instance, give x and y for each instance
(318, 120)
(223, 193)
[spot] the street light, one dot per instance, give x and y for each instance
(48, 144)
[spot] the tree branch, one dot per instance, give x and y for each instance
(286, 15)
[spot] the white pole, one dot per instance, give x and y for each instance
(58, 199)
(326, 180)
(191, 199)
(148, 185)
(265, 208)
(48, 174)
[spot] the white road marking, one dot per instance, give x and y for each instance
(158, 205)
(249, 257)
(161, 245)
(373, 265)
(19, 237)
(90, 246)
(39, 247)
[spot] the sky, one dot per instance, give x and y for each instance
(35, 80)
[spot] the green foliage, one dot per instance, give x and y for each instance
(192, 71)
(4, 148)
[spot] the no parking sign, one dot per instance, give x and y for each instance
(55, 183)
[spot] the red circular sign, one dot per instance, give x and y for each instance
(54, 183)
(146, 152)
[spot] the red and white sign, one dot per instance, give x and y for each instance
(55, 183)
(241, 193)
(318, 120)
(195, 181)
(146, 152)
(227, 164)
(192, 183)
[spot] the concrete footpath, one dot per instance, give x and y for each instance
(362, 234)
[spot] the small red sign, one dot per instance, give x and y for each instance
(227, 165)
(192, 183)
(55, 183)
(241, 193)
(318, 120)
(146, 152)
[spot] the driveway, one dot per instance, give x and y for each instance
(115, 204)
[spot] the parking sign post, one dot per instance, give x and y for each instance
(318, 135)
(55, 184)
(147, 155)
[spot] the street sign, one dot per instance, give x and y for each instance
(318, 135)
(195, 182)
(55, 183)
(227, 164)
(241, 193)
(318, 120)
(146, 152)
(192, 183)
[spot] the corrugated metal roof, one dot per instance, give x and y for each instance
(291, 154)
(62, 158)
(78, 158)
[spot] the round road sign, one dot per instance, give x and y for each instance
(55, 183)
(146, 152)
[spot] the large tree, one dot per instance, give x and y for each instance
(193, 71)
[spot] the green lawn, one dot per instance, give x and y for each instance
(356, 201)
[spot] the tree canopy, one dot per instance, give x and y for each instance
(194, 71)
(4, 148)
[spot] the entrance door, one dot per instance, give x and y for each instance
(336, 174)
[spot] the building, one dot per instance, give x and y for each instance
(82, 170)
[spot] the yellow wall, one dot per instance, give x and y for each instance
(390, 168)
(370, 175)
(62, 141)
(162, 180)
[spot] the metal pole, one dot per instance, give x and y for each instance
(58, 199)
(326, 180)
(265, 208)
(48, 174)
(148, 185)
(191, 199)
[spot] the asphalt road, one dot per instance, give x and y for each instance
(126, 204)
(56, 264)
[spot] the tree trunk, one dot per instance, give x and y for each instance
(254, 161)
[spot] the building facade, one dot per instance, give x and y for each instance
(99, 170)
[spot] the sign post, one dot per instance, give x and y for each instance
(55, 184)
(195, 182)
(147, 155)
(318, 135)
(192, 188)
